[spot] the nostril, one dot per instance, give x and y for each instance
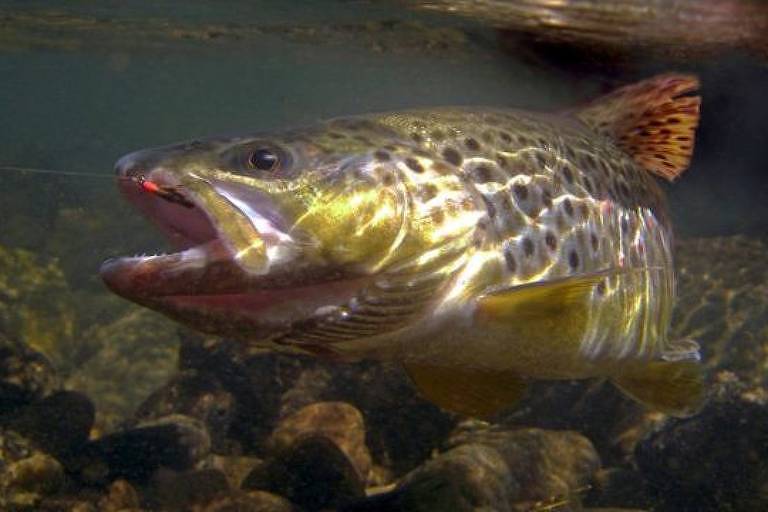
(128, 166)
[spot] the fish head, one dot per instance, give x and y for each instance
(269, 231)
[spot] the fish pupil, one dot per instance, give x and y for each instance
(263, 160)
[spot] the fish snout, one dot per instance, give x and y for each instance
(137, 164)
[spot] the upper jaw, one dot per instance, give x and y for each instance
(206, 262)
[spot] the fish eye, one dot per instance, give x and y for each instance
(263, 160)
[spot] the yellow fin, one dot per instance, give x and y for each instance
(654, 121)
(672, 387)
(546, 301)
(469, 391)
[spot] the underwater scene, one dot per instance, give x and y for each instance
(384, 255)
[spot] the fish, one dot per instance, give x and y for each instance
(482, 248)
(675, 29)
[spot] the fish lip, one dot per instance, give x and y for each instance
(202, 253)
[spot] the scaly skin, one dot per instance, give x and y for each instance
(384, 230)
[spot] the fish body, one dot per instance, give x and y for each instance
(480, 247)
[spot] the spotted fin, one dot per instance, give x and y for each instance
(672, 387)
(654, 121)
(473, 392)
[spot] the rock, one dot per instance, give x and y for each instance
(197, 396)
(36, 305)
(252, 501)
(58, 424)
(131, 356)
(120, 496)
(467, 478)
(723, 284)
(545, 464)
(716, 460)
(311, 472)
(185, 490)
(495, 469)
(619, 486)
(71, 504)
(25, 375)
(235, 468)
(176, 442)
(26, 474)
(268, 387)
(339, 422)
(388, 401)
(597, 409)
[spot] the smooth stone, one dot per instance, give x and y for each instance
(252, 501)
(26, 474)
(619, 486)
(337, 421)
(313, 473)
(176, 442)
(235, 468)
(25, 375)
(120, 496)
(180, 491)
(198, 396)
(59, 424)
(715, 460)
(490, 468)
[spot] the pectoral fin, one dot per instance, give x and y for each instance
(672, 387)
(473, 392)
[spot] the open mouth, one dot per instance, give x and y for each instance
(205, 261)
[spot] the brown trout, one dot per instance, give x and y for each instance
(479, 247)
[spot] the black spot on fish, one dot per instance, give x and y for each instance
(594, 242)
(573, 259)
(387, 179)
(381, 155)
(414, 165)
(568, 207)
(568, 174)
(550, 240)
(528, 247)
(417, 137)
(437, 135)
(600, 289)
(482, 174)
(471, 144)
(505, 137)
(520, 191)
(509, 258)
(546, 197)
(452, 156)
(489, 207)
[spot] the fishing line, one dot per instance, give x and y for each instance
(170, 194)
(32, 170)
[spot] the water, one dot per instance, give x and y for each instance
(84, 83)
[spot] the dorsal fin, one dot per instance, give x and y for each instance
(654, 121)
